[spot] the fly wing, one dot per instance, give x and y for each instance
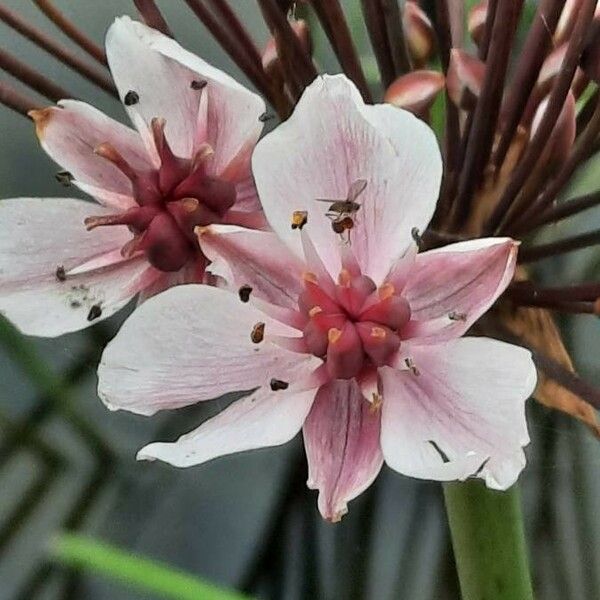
(356, 189)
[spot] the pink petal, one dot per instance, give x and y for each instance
(333, 140)
(70, 132)
(460, 414)
(264, 419)
(341, 436)
(245, 257)
(223, 114)
(44, 238)
(450, 288)
(193, 343)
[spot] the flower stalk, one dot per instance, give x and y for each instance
(488, 541)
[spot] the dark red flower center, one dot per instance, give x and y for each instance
(171, 201)
(352, 324)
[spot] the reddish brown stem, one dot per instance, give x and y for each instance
(59, 52)
(577, 308)
(570, 293)
(395, 35)
(69, 29)
(19, 102)
(570, 244)
(377, 30)
(532, 57)
(508, 203)
(334, 24)
(32, 78)
(152, 16)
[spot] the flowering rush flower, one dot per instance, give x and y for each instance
(66, 263)
(335, 322)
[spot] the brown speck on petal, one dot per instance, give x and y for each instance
(64, 178)
(60, 273)
(95, 312)
(277, 384)
(131, 98)
(258, 333)
(244, 293)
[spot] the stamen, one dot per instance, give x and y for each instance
(333, 335)
(258, 333)
(378, 333)
(244, 293)
(310, 277)
(108, 151)
(345, 277)
(198, 84)
(277, 384)
(60, 273)
(299, 219)
(131, 98)
(95, 312)
(386, 290)
(315, 310)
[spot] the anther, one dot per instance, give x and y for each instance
(376, 402)
(131, 98)
(409, 362)
(198, 84)
(60, 273)
(315, 310)
(333, 335)
(457, 316)
(299, 219)
(277, 384)
(204, 152)
(345, 277)
(258, 333)
(95, 312)
(386, 291)
(189, 204)
(310, 277)
(244, 293)
(64, 178)
(378, 333)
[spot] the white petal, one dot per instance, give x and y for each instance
(333, 140)
(463, 414)
(264, 419)
(161, 72)
(192, 343)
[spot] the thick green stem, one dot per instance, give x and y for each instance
(488, 541)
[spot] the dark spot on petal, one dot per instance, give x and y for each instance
(64, 178)
(95, 312)
(75, 304)
(60, 273)
(416, 236)
(131, 98)
(277, 384)
(442, 454)
(258, 333)
(198, 84)
(457, 316)
(266, 116)
(244, 293)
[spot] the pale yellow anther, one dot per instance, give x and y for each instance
(344, 278)
(386, 290)
(315, 310)
(310, 277)
(204, 152)
(378, 333)
(190, 204)
(201, 230)
(333, 335)
(376, 402)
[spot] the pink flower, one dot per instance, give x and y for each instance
(355, 341)
(188, 164)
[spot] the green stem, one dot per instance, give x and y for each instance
(488, 541)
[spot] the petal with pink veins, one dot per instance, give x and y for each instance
(330, 142)
(341, 436)
(71, 131)
(193, 343)
(459, 413)
(245, 257)
(263, 419)
(448, 289)
(223, 113)
(54, 272)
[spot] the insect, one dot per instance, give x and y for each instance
(340, 211)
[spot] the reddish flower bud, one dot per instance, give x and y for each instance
(464, 79)
(418, 30)
(415, 91)
(476, 21)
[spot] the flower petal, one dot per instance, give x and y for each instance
(341, 436)
(54, 271)
(70, 132)
(223, 113)
(450, 288)
(192, 343)
(264, 419)
(254, 258)
(460, 414)
(332, 141)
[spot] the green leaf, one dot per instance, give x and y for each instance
(145, 574)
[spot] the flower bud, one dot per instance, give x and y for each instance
(270, 57)
(476, 21)
(464, 79)
(415, 91)
(418, 30)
